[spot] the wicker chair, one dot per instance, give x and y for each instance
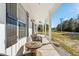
(36, 38)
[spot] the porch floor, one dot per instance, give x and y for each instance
(47, 50)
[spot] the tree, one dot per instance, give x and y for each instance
(71, 25)
(77, 26)
(59, 27)
(65, 25)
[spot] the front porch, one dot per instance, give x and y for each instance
(46, 50)
(21, 22)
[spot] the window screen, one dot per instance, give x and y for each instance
(22, 21)
(11, 24)
(22, 29)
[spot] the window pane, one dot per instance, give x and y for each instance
(11, 24)
(22, 29)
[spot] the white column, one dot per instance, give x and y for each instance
(50, 26)
(45, 27)
(36, 28)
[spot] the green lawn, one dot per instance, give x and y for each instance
(70, 42)
(72, 36)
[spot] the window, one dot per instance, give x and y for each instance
(22, 29)
(11, 9)
(15, 16)
(22, 21)
(11, 24)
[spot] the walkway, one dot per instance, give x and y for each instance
(47, 50)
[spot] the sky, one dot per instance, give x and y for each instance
(65, 11)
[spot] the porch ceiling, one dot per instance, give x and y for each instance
(40, 11)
